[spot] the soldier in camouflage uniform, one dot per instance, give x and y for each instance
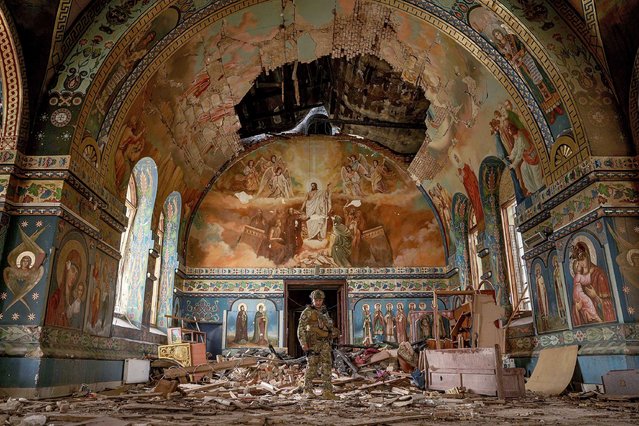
(315, 332)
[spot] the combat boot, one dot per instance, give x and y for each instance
(328, 394)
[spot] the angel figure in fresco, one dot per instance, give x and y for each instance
(378, 322)
(25, 267)
(249, 178)
(378, 172)
(359, 165)
(351, 182)
(401, 323)
(367, 331)
(241, 325)
(260, 327)
(276, 179)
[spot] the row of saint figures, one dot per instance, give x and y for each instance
(395, 325)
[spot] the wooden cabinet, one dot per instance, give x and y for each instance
(186, 346)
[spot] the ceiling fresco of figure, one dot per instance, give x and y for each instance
(310, 201)
(184, 116)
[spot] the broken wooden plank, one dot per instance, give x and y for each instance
(155, 407)
(205, 387)
(382, 383)
(132, 395)
(390, 420)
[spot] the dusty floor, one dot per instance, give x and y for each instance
(371, 408)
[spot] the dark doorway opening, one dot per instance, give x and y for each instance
(297, 297)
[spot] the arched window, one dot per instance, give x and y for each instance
(172, 212)
(519, 288)
(156, 273)
(476, 269)
(131, 207)
(135, 256)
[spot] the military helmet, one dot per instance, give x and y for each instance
(317, 294)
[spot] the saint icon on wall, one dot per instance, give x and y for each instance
(592, 295)
(260, 326)
(241, 325)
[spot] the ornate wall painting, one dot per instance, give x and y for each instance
(69, 284)
(189, 101)
(205, 309)
(130, 57)
(394, 320)
(314, 201)
(547, 315)
(516, 149)
(590, 295)
(252, 323)
(504, 39)
(23, 290)
(101, 299)
(624, 250)
(140, 240)
(172, 211)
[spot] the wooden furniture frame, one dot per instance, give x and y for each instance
(478, 370)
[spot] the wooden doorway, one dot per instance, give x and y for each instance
(297, 296)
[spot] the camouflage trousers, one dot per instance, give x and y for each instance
(319, 365)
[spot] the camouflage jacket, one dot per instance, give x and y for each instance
(315, 326)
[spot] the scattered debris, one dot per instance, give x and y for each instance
(263, 388)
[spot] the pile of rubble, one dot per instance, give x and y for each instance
(266, 388)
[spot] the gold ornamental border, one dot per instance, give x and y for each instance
(13, 80)
(421, 14)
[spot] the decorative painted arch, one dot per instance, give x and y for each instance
(439, 18)
(13, 94)
(189, 16)
(84, 91)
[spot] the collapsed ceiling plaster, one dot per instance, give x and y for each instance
(362, 95)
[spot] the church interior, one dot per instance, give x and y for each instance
(207, 164)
